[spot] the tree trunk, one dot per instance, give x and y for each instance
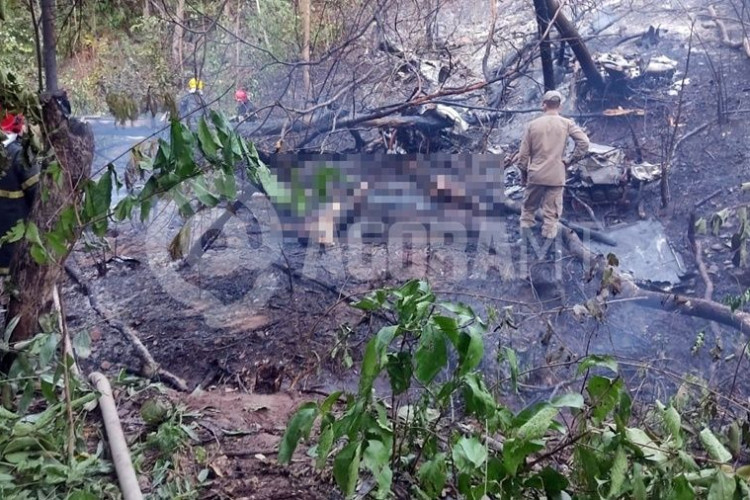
(73, 145)
(545, 51)
(178, 35)
(304, 7)
(49, 45)
(146, 8)
(432, 34)
(570, 34)
(237, 28)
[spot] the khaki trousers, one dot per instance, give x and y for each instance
(550, 200)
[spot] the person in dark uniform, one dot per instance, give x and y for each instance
(192, 103)
(18, 185)
(245, 108)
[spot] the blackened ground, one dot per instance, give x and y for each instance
(288, 342)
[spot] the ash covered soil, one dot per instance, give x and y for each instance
(254, 335)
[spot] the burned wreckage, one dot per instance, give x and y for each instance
(604, 176)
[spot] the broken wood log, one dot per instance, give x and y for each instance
(624, 286)
(150, 368)
(743, 44)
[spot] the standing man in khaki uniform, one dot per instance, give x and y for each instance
(543, 169)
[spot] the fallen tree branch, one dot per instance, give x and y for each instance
(588, 209)
(690, 134)
(620, 284)
(744, 44)
(708, 198)
(586, 232)
(151, 368)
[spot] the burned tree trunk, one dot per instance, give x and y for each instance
(570, 35)
(545, 50)
(304, 7)
(178, 34)
(73, 145)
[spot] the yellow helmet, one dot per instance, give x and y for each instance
(195, 84)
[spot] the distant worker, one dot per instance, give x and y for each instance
(18, 185)
(192, 101)
(245, 109)
(195, 86)
(543, 169)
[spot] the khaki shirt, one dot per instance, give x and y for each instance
(543, 146)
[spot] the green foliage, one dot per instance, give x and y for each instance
(162, 452)
(388, 441)
(36, 454)
(738, 240)
(17, 43)
(430, 356)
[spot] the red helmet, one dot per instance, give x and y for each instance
(12, 124)
(240, 96)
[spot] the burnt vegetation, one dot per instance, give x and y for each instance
(353, 240)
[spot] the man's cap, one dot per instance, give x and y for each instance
(552, 95)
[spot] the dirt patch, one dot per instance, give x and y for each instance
(241, 434)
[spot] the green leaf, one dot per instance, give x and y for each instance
(209, 143)
(32, 233)
(734, 438)
(324, 446)
(596, 361)
(681, 489)
(433, 475)
(479, 401)
(39, 255)
(515, 452)
(470, 350)
(181, 149)
(399, 371)
(376, 459)
(572, 400)
(723, 487)
(714, 447)
(743, 472)
(645, 444)
(299, 427)
(375, 358)
(431, 355)
(673, 424)
(223, 127)
(536, 426)
(82, 495)
(617, 474)
(604, 394)
(16, 233)
(226, 186)
(48, 349)
(510, 355)
(124, 209)
(687, 461)
(469, 454)
(346, 468)
(639, 486)
(554, 482)
(82, 344)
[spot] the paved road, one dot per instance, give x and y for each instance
(113, 143)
